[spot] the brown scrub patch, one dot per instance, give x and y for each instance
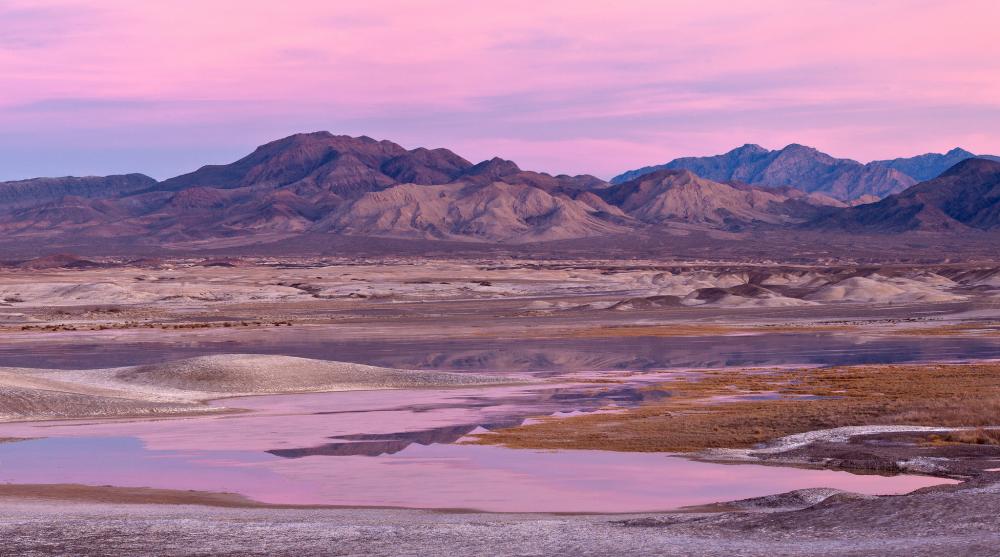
(711, 409)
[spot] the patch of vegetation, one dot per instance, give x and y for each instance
(693, 418)
(978, 436)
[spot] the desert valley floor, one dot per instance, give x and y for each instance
(404, 406)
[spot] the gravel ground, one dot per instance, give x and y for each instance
(963, 521)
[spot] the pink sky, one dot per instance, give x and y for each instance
(103, 86)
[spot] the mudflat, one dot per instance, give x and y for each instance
(959, 521)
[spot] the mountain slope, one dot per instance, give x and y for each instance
(965, 196)
(681, 196)
(810, 170)
(927, 166)
(425, 166)
(497, 211)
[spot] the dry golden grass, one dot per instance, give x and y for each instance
(690, 420)
(978, 436)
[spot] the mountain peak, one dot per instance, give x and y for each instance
(959, 152)
(800, 149)
(493, 168)
(317, 134)
(667, 176)
(973, 166)
(749, 148)
(314, 157)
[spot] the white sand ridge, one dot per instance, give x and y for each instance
(184, 385)
(252, 373)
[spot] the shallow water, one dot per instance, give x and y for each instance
(298, 449)
(398, 448)
(436, 476)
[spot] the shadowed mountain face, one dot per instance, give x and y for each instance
(25, 193)
(810, 170)
(929, 166)
(967, 196)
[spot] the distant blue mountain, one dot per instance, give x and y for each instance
(812, 171)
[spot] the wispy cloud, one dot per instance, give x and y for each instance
(539, 40)
(28, 27)
(83, 105)
(581, 86)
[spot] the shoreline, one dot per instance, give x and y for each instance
(74, 493)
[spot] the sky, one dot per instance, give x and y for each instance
(93, 87)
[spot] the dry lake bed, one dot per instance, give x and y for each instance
(281, 406)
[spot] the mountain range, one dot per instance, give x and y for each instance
(812, 171)
(325, 185)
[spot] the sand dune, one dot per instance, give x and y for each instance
(184, 386)
(878, 289)
(17, 404)
(240, 373)
(744, 295)
(703, 288)
(732, 301)
(40, 292)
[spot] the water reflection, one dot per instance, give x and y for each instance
(559, 400)
(543, 356)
